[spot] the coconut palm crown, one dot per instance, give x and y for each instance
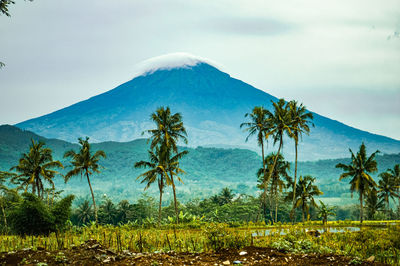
(35, 167)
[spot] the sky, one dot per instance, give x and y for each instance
(340, 58)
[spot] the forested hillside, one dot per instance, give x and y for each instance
(208, 170)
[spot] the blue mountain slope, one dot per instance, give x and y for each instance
(213, 105)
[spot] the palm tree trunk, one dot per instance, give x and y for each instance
(264, 201)
(276, 206)
(160, 186)
(303, 211)
(175, 203)
(4, 213)
(34, 187)
(271, 213)
(361, 207)
(275, 159)
(273, 167)
(94, 202)
(387, 208)
(294, 184)
(262, 154)
(52, 197)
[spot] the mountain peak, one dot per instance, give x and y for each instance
(171, 61)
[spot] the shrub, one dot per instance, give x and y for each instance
(31, 217)
(62, 211)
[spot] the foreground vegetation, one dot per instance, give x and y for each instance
(361, 245)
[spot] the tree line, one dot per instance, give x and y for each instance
(290, 119)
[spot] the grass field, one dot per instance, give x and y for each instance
(380, 239)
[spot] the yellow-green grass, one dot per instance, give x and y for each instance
(384, 244)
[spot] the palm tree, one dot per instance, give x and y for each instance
(306, 191)
(124, 211)
(84, 212)
(85, 163)
(157, 172)
(373, 203)
(359, 169)
(324, 211)
(387, 188)
(169, 131)
(395, 172)
(301, 119)
(226, 196)
(108, 212)
(276, 183)
(174, 170)
(258, 125)
(281, 123)
(38, 163)
(3, 190)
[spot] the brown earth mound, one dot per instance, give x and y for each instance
(92, 253)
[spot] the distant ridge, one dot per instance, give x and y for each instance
(233, 168)
(212, 103)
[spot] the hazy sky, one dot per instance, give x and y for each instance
(340, 58)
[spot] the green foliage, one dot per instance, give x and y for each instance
(218, 237)
(34, 167)
(32, 217)
(62, 211)
(359, 171)
(325, 211)
(85, 162)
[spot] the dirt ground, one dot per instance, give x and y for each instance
(92, 253)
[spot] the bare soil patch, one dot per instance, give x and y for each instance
(92, 253)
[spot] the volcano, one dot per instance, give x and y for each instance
(212, 103)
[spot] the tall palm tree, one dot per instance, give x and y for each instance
(387, 188)
(85, 163)
(157, 171)
(276, 183)
(306, 191)
(281, 123)
(359, 169)
(258, 125)
(301, 119)
(34, 166)
(169, 131)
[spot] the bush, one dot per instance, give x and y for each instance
(33, 217)
(62, 211)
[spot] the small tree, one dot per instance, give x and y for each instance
(373, 203)
(324, 211)
(306, 191)
(62, 211)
